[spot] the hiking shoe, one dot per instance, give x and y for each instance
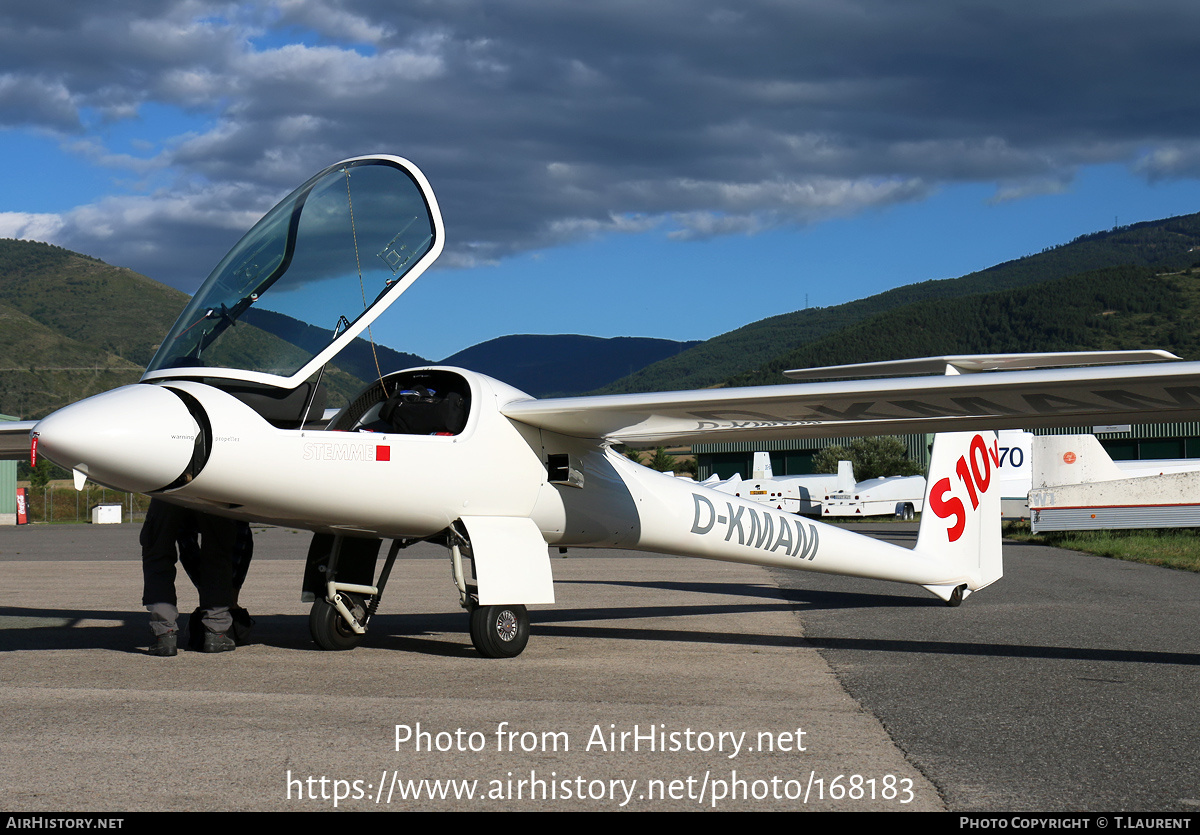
(242, 623)
(218, 642)
(166, 645)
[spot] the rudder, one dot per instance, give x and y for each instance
(961, 519)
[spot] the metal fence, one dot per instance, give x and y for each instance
(59, 504)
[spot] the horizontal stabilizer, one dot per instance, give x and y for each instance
(971, 363)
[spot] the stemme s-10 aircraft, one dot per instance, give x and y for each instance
(231, 420)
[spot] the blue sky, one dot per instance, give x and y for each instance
(671, 169)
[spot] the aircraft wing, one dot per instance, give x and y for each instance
(14, 439)
(1020, 399)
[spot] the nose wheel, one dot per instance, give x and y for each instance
(500, 631)
(341, 609)
(329, 629)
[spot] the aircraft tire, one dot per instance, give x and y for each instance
(329, 630)
(956, 596)
(500, 631)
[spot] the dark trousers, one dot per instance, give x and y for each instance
(169, 534)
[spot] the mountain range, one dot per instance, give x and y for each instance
(71, 325)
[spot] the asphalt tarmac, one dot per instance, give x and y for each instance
(1072, 684)
(654, 683)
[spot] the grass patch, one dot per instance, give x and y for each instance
(1170, 547)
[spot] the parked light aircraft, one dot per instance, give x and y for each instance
(230, 419)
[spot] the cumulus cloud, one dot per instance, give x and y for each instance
(334, 20)
(30, 226)
(29, 100)
(1033, 187)
(1176, 159)
(540, 122)
(179, 233)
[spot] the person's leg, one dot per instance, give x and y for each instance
(243, 553)
(157, 539)
(218, 538)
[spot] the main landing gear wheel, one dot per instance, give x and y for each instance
(329, 629)
(956, 596)
(500, 631)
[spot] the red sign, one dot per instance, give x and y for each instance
(22, 507)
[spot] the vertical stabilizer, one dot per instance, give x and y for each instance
(762, 466)
(1071, 459)
(961, 519)
(845, 477)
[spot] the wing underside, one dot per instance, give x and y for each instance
(14, 439)
(1024, 399)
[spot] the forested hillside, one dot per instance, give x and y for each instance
(1113, 309)
(72, 326)
(108, 308)
(1164, 244)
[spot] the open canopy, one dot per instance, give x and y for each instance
(309, 277)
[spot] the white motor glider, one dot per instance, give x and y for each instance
(230, 418)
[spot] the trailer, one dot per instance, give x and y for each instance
(898, 495)
(800, 494)
(1078, 487)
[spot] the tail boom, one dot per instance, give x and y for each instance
(958, 546)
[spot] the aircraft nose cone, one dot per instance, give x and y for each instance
(138, 438)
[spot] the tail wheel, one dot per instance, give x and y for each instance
(956, 596)
(329, 629)
(500, 631)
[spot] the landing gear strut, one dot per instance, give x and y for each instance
(496, 631)
(330, 630)
(340, 610)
